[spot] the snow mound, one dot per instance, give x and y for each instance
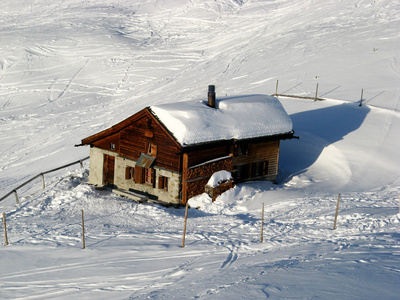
(219, 177)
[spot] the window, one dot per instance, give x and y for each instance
(144, 175)
(129, 173)
(263, 167)
(163, 183)
(259, 169)
(112, 146)
(242, 149)
(148, 175)
(152, 149)
(242, 172)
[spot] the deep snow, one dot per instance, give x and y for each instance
(71, 68)
(240, 117)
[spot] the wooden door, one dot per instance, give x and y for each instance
(108, 169)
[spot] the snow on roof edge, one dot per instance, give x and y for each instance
(239, 117)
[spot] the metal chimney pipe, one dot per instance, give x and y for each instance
(211, 96)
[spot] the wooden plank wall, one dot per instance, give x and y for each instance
(134, 138)
(267, 151)
(198, 157)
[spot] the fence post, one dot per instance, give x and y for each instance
(5, 228)
(337, 211)
(16, 197)
(184, 227)
(262, 224)
(276, 89)
(316, 93)
(83, 232)
(362, 92)
(43, 183)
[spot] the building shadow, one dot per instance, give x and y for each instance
(317, 129)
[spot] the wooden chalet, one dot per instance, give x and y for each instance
(168, 152)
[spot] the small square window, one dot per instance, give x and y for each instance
(152, 150)
(163, 183)
(242, 149)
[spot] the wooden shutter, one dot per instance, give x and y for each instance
(161, 182)
(128, 173)
(138, 174)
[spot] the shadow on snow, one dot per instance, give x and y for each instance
(317, 129)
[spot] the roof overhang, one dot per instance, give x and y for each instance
(212, 144)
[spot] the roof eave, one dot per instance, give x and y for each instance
(211, 144)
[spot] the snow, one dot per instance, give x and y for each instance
(240, 117)
(219, 177)
(69, 69)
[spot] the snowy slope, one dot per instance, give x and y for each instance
(69, 69)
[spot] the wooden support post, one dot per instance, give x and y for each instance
(81, 163)
(362, 92)
(16, 197)
(184, 178)
(276, 89)
(5, 228)
(337, 211)
(316, 93)
(184, 227)
(262, 224)
(43, 183)
(83, 232)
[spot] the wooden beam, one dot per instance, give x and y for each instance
(184, 178)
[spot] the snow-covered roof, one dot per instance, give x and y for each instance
(239, 117)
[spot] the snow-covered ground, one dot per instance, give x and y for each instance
(69, 69)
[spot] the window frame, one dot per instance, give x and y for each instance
(163, 182)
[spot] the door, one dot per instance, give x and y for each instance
(108, 169)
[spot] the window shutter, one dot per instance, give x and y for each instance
(166, 183)
(128, 173)
(161, 182)
(138, 174)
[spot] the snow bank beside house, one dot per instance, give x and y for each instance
(240, 117)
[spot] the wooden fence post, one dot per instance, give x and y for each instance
(184, 227)
(362, 92)
(337, 211)
(43, 183)
(5, 228)
(262, 224)
(276, 89)
(316, 93)
(83, 232)
(16, 197)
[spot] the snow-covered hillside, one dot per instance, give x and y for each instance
(69, 69)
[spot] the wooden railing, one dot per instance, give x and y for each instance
(14, 191)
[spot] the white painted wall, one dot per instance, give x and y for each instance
(96, 176)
